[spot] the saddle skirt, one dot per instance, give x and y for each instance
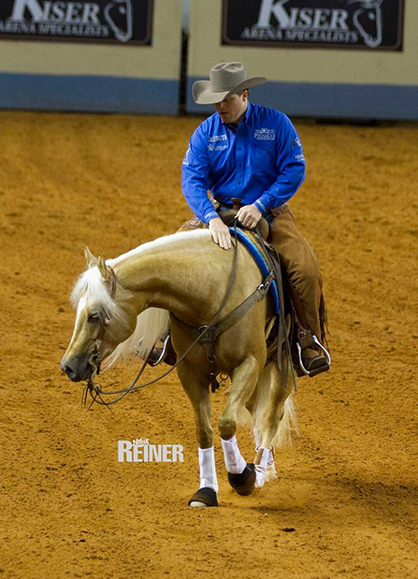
(251, 241)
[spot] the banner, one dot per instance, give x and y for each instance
(122, 22)
(360, 24)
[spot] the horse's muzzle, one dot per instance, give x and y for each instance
(77, 368)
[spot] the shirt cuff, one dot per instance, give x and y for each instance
(260, 206)
(210, 215)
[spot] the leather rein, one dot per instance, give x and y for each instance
(205, 335)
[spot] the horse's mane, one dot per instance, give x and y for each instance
(152, 323)
(90, 285)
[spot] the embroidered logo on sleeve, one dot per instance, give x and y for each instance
(265, 134)
(186, 158)
(296, 143)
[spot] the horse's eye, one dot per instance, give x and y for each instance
(93, 316)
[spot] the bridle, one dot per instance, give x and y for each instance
(95, 358)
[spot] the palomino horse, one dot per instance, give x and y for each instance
(123, 305)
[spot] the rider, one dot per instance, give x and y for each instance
(253, 153)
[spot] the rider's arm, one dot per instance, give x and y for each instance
(195, 177)
(290, 165)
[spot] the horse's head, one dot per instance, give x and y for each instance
(101, 323)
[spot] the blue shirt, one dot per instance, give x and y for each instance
(260, 161)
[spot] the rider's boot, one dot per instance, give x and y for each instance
(314, 358)
(163, 352)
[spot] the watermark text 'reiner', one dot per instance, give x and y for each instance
(140, 450)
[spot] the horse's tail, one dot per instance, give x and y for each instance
(269, 378)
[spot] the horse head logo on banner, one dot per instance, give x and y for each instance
(368, 21)
(119, 15)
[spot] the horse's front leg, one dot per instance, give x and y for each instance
(244, 378)
(198, 392)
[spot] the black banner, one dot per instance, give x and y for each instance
(122, 22)
(364, 24)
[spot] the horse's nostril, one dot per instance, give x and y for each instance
(68, 371)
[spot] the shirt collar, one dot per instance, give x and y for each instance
(247, 112)
(244, 118)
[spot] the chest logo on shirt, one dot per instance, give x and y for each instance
(265, 134)
(217, 147)
(217, 138)
(217, 143)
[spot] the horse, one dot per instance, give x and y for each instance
(126, 304)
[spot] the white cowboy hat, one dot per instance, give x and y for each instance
(226, 79)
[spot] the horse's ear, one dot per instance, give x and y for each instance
(101, 264)
(90, 259)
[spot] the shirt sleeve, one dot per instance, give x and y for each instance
(290, 164)
(196, 177)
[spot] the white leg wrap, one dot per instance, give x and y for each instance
(207, 468)
(261, 463)
(234, 461)
(257, 437)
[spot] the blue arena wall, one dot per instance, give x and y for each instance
(82, 93)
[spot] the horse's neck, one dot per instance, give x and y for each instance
(188, 282)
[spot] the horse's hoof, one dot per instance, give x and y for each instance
(243, 483)
(204, 497)
(271, 473)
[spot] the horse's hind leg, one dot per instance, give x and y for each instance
(279, 390)
(198, 393)
(256, 400)
(243, 381)
(271, 473)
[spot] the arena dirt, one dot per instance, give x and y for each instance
(345, 504)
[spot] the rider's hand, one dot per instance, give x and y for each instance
(249, 216)
(220, 233)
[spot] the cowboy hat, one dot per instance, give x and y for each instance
(226, 79)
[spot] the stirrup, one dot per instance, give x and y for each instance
(163, 353)
(315, 371)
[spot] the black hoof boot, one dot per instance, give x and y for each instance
(243, 483)
(206, 497)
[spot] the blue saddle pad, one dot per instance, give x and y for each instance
(249, 239)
